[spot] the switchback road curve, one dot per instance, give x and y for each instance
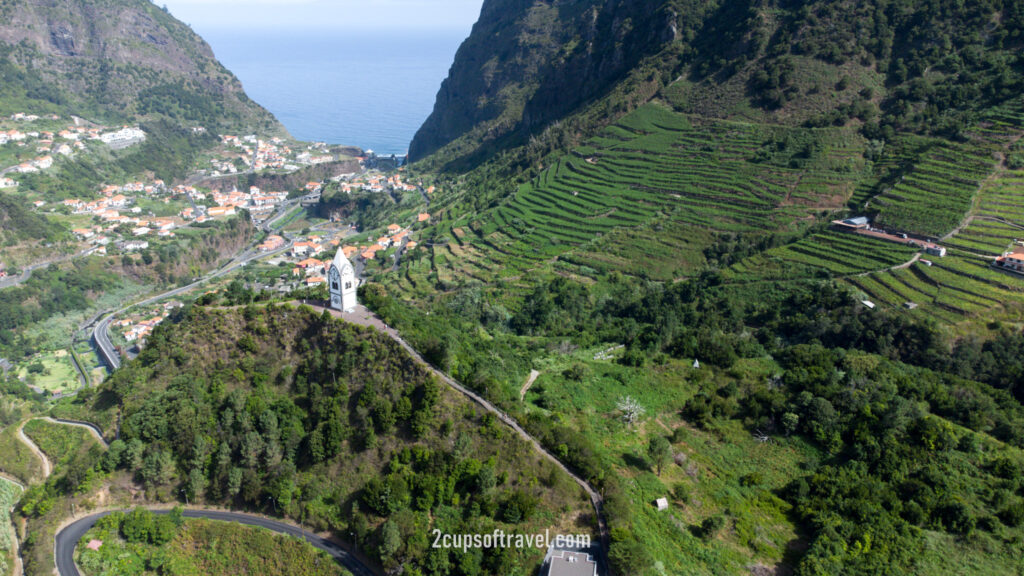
(67, 539)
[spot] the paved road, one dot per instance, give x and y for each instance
(67, 539)
(101, 333)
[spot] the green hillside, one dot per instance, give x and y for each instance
(664, 235)
(288, 412)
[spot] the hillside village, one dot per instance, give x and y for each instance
(30, 143)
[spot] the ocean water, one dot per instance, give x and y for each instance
(366, 89)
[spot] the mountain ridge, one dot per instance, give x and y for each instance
(120, 60)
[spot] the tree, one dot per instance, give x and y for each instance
(631, 409)
(158, 468)
(234, 482)
(790, 422)
(196, 483)
(138, 525)
(391, 540)
(132, 458)
(659, 450)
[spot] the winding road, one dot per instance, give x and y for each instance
(67, 539)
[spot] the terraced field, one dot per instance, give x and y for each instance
(948, 183)
(998, 220)
(829, 254)
(650, 189)
(952, 290)
(934, 196)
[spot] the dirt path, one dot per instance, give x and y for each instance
(529, 382)
(364, 317)
(47, 469)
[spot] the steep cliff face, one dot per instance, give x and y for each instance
(528, 63)
(893, 65)
(119, 58)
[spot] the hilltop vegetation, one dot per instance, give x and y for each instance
(280, 410)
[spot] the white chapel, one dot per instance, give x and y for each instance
(342, 283)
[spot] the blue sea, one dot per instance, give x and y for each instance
(371, 90)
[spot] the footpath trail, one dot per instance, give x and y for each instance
(529, 382)
(47, 468)
(364, 317)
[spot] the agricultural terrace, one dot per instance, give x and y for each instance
(932, 197)
(938, 179)
(670, 179)
(964, 285)
(824, 255)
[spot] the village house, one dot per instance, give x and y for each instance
(312, 266)
(424, 217)
(271, 243)
(1012, 261)
(306, 248)
(371, 252)
(134, 245)
(219, 211)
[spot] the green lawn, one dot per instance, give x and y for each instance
(58, 372)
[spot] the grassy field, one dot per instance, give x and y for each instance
(712, 471)
(58, 372)
(206, 548)
(9, 494)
